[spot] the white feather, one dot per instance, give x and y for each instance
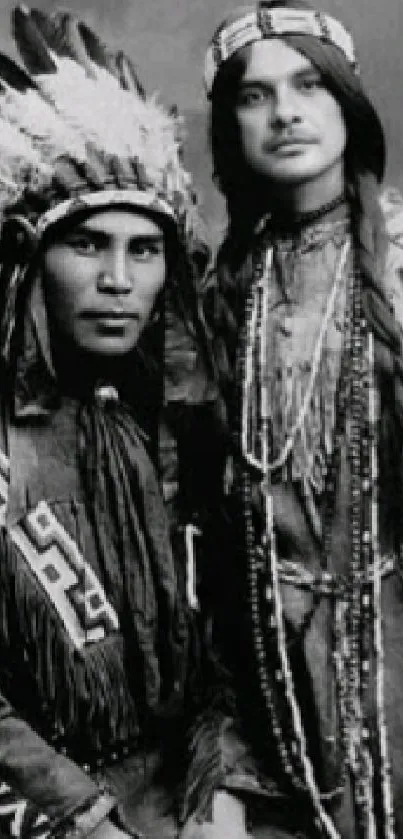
(75, 110)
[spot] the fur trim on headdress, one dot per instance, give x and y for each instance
(76, 123)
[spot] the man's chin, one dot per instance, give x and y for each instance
(292, 175)
(108, 348)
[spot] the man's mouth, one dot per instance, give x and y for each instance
(289, 143)
(109, 314)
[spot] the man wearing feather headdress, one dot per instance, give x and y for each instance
(306, 307)
(103, 382)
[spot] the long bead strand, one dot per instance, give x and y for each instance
(323, 822)
(388, 817)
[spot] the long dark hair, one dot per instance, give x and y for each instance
(364, 169)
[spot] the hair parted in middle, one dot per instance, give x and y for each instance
(365, 151)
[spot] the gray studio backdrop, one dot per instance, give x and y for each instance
(166, 39)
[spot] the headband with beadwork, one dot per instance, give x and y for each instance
(265, 22)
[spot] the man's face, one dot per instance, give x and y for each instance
(101, 280)
(291, 128)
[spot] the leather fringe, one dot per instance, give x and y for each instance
(83, 691)
(206, 772)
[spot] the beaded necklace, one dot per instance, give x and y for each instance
(358, 615)
(259, 310)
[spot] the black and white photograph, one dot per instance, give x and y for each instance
(201, 419)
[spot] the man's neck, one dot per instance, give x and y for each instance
(296, 199)
(79, 372)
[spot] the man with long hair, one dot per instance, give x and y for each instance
(305, 306)
(103, 377)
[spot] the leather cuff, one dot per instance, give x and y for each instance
(83, 823)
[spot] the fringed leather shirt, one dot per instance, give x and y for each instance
(85, 685)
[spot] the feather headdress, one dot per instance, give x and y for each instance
(77, 132)
(76, 129)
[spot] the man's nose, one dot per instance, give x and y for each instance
(284, 110)
(114, 277)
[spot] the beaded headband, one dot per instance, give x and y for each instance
(264, 22)
(136, 198)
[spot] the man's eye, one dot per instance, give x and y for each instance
(82, 245)
(252, 97)
(309, 84)
(143, 251)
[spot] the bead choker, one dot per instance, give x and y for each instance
(301, 219)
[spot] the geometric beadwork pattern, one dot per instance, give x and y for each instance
(60, 568)
(18, 820)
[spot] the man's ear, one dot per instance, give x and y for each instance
(19, 240)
